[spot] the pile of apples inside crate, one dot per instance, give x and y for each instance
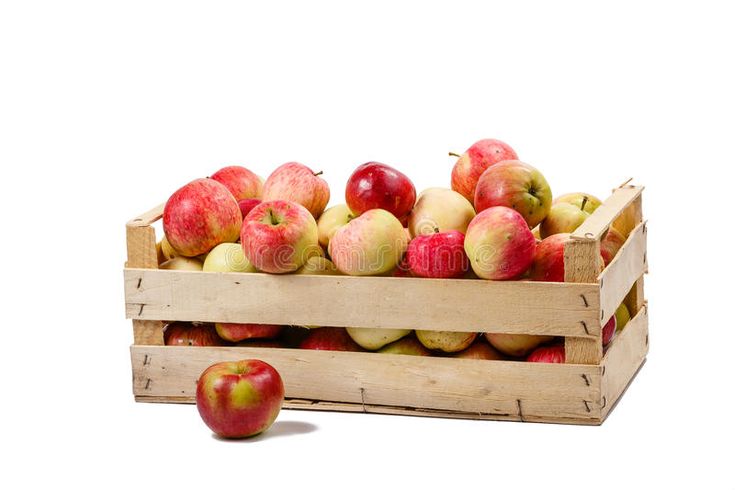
(499, 221)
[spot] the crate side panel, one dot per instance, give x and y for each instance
(621, 274)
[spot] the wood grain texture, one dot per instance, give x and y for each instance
(492, 388)
(438, 304)
(623, 358)
(581, 264)
(141, 243)
(630, 217)
(595, 226)
(621, 274)
(149, 217)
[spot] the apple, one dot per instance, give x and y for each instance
(548, 264)
(610, 244)
(239, 399)
(582, 200)
(499, 244)
(279, 236)
(191, 334)
(375, 185)
(548, 353)
(439, 255)
(227, 257)
(445, 341)
(480, 350)
(267, 343)
(167, 251)
(330, 338)
(475, 161)
(608, 331)
(562, 218)
(375, 338)
(241, 182)
(298, 183)
(246, 205)
(515, 344)
(235, 332)
(622, 317)
(199, 216)
(407, 346)
(330, 221)
(371, 244)
(293, 335)
(182, 264)
(516, 185)
(442, 209)
(318, 266)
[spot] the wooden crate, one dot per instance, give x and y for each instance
(582, 391)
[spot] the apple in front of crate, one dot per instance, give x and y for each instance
(298, 183)
(409, 346)
(622, 317)
(375, 185)
(608, 331)
(563, 217)
(548, 353)
(246, 205)
(475, 161)
(235, 332)
(440, 209)
(610, 244)
(445, 341)
(480, 350)
(241, 182)
(375, 338)
(516, 185)
(182, 264)
(516, 345)
(581, 200)
(191, 334)
(439, 255)
(279, 236)
(239, 399)
(200, 216)
(331, 220)
(227, 257)
(499, 244)
(329, 338)
(371, 244)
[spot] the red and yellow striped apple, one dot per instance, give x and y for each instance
(548, 353)
(331, 220)
(548, 264)
(191, 334)
(241, 182)
(439, 255)
(330, 338)
(442, 209)
(610, 244)
(298, 183)
(235, 332)
(475, 161)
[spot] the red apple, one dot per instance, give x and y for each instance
(376, 185)
(516, 345)
(241, 182)
(200, 216)
(330, 338)
(480, 350)
(279, 236)
(235, 332)
(298, 183)
(407, 346)
(611, 244)
(548, 353)
(246, 205)
(608, 331)
(439, 255)
(516, 185)
(548, 264)
(499, 244)
(475, 161)
(191, 334)
(239, 399)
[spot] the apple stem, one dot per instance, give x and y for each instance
(274, 221)
(584, 202)
(452, 154)
(436, 230)
(319, 173)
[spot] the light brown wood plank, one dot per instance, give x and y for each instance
(595, 226)
(581, 264)
(149, 217)
(630, 218)
(621, 274)
(623, 358)
(141, 244)
(458, 385)
(439, 304)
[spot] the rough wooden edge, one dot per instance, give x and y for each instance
(623, 359)
(581, 264)
(378, 302)
(621, 274)
(141, 245)
(597, 224)
(149, 217)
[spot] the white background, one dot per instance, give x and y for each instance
(107, 107)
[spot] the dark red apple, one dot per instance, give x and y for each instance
(548, 264)
(376, 185)
(191, 334)
(235, 332)
(330, 338)
(608, 331)
(548, 353)
(475, 161)
(439, 255)
(239, 399)
(246, 205)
